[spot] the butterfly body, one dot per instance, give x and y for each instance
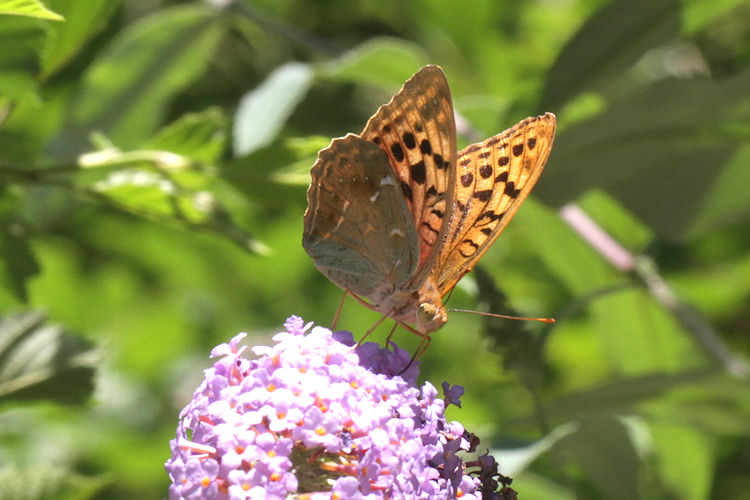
(396, 216)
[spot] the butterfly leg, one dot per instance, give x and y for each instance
(338, 310)
(368, 332)
(388, 339)
(423, 345)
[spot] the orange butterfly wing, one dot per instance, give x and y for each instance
(417, 132)
(493, 178)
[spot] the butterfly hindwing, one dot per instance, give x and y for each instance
(493, 178)
(417, 132)
(357, 227)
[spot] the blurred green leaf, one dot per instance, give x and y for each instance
(126, 91)
(273, 174)
(684, 459)
(538, 487)
(384, 62)
(603, 449)
(46, 482)
(699, 14)
(157, 195)
(30, 8)
(263, 111)
(84, 19)
(608, 44)
(17, 260)
(200, 136)
(659, 158)
(684, 396)
(43, 362)
(514, 460)
(725, 202)
(616, 221)
(21, 39)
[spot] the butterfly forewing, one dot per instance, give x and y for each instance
(417, 132)
(493, 179)
(358, 229)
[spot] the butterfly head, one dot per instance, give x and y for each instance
(430, 313)
(430, 317)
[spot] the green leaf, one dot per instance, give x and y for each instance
(699, 14)
(40, 361)
(617, 222)
(514, 460)
(726, 201)
(383, 62)
(29, 8)
(200, 136)
(84, 19)
(21, 40)
(47, 482)
(603, 448)
(17, 260)
(684, 396)
(684, 459)
(609, 43)
(263, 111)
(126, 92)
(155, 194)
(658, 157)
(277, 174)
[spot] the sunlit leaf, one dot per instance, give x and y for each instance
(200, 136)
(30, 8)
(84, 19)
(263, 111)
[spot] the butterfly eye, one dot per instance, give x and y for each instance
(426, 312)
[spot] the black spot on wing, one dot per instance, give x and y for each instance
(510, 190)
(406, 190)
(409, 140)
(418, 172)
(397, 151)
(483, 195)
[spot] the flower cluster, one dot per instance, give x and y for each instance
(313, 418)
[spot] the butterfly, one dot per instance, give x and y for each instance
(397, 216)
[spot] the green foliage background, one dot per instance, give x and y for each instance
(154, 158)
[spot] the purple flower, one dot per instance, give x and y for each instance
(315, 417)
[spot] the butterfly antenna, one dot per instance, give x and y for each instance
(503, 316)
